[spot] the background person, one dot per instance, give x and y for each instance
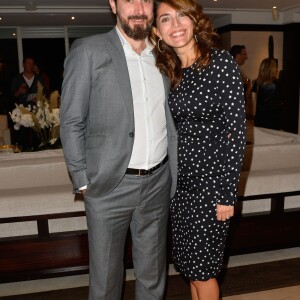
(24, 85)
(267, 96)
(38, 69)
(207, 104)
(24, 89)
(116, 128)
(239, 53)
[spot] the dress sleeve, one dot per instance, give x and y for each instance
(231, 95)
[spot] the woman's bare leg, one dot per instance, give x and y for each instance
(193, 291)
(205, 290)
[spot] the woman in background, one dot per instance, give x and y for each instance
(207, 104)
(266, 96)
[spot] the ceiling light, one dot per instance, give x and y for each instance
(275, 13)
(73, 18)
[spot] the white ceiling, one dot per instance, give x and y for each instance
(97, 12)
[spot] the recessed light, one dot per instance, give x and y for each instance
(275, 13)
(73, 18)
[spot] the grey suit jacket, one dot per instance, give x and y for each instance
(97, 121)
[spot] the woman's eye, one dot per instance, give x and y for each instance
(181, 14)
(165, 19)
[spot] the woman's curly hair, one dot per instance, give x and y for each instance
(167, 61)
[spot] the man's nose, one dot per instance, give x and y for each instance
(138, 7)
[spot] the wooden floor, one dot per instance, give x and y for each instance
(233, 281)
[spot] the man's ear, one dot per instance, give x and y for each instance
(113, 6)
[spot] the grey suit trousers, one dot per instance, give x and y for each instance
(141, 203)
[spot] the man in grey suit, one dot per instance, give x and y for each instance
(120, 147)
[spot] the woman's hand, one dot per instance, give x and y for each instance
(224, 212)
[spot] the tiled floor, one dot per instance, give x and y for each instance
(289, 293)
(178, 290)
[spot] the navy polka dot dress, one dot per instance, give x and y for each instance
(208, 111)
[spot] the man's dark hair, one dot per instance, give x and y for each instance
(236, 49)
(28, 57)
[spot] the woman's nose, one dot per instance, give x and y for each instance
(175, 22)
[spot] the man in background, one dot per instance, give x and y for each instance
(239, 53)
(24, 86)
(24, 89)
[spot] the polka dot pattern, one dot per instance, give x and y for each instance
(208, 111)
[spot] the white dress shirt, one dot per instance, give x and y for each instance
(28, 81)
(150, 143)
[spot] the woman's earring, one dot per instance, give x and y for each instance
(158, 47)
(196, 38)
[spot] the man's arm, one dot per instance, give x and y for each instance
(74, 111)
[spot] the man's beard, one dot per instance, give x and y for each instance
(138, 32)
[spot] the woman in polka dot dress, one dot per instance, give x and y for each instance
(207, 104)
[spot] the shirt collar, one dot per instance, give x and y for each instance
(124, 42)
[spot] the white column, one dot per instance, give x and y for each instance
(20, 48)
(67, 45)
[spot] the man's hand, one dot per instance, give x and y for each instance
(21, 90)
(82, 192)
(224, 212)
(79, 196)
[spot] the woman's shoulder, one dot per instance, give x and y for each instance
(221, 56)
(218, 53)
(222, 59)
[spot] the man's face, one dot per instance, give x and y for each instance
(28, 65)
(134, 17)
(242, 57)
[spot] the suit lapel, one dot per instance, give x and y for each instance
(119, 60)
(114, 47)
(166, 85)
(170, 123)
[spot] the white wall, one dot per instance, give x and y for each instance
(256, 43)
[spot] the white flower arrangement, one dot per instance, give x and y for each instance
(42, 118)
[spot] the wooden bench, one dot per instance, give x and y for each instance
(66, 253)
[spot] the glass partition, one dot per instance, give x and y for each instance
(49, 54)
(8, 65)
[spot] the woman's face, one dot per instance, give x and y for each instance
(174, 28)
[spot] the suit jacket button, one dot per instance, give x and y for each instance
(131, 134)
